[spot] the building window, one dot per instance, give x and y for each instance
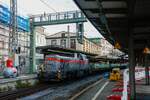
(63, 35)
(37, 39)
(63, 43)
(73, 43)
(53, 42)
(1, 44)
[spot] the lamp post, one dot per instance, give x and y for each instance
(68, 30)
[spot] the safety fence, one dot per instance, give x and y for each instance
(125, 89)
(139, 75)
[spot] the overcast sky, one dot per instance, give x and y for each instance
(28, 7)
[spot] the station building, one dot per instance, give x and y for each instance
(61, 39)
(106, 48)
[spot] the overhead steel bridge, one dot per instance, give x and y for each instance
(58, 18)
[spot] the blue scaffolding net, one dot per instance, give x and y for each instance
(23, 23)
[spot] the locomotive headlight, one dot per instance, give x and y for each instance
(59, 71)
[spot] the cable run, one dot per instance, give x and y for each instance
(48, 6)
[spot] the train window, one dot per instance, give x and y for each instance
(67, 55)
(63, 43)
(80, 57)
(84, 56)
(73, 43)
(63, 35)
(53, 42)
(61, 54)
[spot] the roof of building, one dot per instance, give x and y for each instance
(71, 33)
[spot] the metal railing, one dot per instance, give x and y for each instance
(64, 17)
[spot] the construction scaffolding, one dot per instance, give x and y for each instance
(14, 37)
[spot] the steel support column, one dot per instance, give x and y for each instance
(80, 32)
(146, 69)
(32, 49)
(13, 35)
(69, 44)
(132, 68)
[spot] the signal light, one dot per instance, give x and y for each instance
(117, 46)
(146, 50)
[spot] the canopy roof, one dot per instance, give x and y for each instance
(58, 49)
(116, 19)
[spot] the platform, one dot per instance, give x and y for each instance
(22, 77)
(142, 90)
(7, 83)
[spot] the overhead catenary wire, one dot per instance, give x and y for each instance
(48, 6)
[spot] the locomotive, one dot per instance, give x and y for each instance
(60, 67)
(60, 64)
(63, 64)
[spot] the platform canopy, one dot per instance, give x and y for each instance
(116, 19)
(58, 49)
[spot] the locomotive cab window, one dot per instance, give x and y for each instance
(80, 56)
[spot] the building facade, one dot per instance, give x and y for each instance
(23, 43)
(70, 41)
(91, 47)
(22, 58)
(40, 40)
(40, 36)
(106, 48)
(61, 39)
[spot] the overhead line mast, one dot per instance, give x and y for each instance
(13, 33)
(48, 6)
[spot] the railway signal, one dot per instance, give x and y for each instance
(146, 50)
(117, 45)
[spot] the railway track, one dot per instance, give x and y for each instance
(12, 95)
(84, 94)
